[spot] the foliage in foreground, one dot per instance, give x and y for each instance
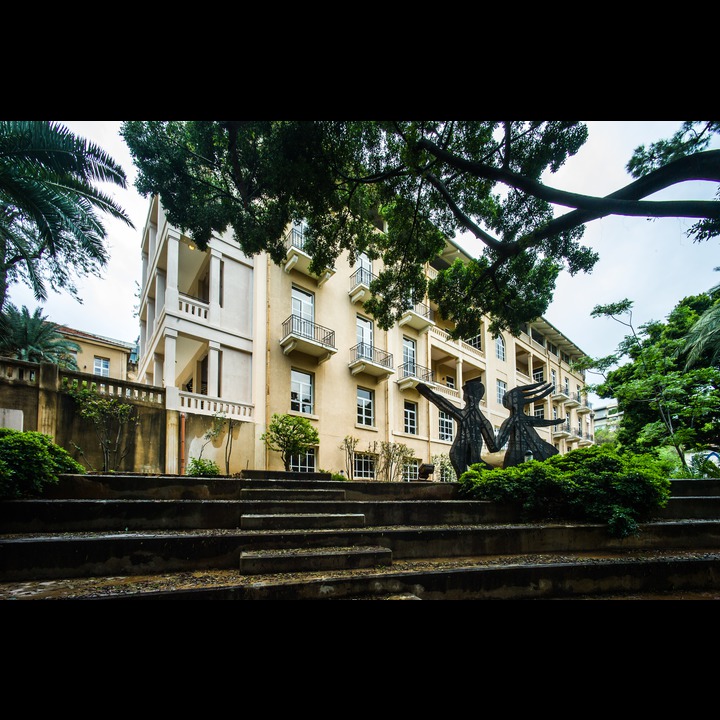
(29, 461)
(596, 483)
(198, 467)
(290, 435)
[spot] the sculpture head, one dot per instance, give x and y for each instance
(473, 390)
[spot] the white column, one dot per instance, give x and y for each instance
(213, 368)
(215, 256)
(171, 273)
(160, 298)
(170, 354)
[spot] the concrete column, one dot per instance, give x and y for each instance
(158, 370)
(170, 355)
(160, 299)
(172, 442)
(215, 256)
(48, 385)
(171, 274)
(213, 367)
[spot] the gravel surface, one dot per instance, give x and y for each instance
(94, 587)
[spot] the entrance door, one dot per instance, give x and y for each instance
(364, 337)
(303, 312)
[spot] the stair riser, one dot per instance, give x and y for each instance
(34, 559)
(314, 563)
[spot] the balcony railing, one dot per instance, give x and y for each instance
(295, 238)
(194, 307)
(424, 311)
(299, 326)
(362, 276)
(413, 370)
(364, 351)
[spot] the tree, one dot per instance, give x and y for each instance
(662, 402)
(50, 229)
(702, 343)
(290, 435)
(34, 338)
(397, 189)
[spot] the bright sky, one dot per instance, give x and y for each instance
(651, 263)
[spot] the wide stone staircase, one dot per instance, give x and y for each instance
(290, 536)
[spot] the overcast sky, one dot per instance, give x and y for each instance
(652, 263)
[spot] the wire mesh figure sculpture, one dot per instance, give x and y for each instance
(472, 425)
(519, 429)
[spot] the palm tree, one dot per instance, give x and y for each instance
(50, 228)
(703, 338)
(34, 338)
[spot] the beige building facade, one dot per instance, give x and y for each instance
(243, 338)
(102, 356)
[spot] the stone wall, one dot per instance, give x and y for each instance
(36, 391)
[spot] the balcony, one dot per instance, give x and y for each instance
(562, 431)
(360, 285)
(586, 439)
(585, 406)
(559, 394)
(573, 399)
(300, 335)
(297, 259)
(418, 317)
(410, 374)
(370, 360)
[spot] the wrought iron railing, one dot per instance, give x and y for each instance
(296, 325)
(364, 351)
(413, 370)
(422, 310)
(362, 276)
(565, 427)
(295, 238)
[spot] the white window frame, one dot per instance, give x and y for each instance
(446, 427)
(364, 466)
(500, 347)
(411, 471)
(303, 463)
(296, 385)
(501, 389)
(410, 417)
(101, 366)
(365, 410)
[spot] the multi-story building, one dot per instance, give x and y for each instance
(102, 356)
(226, 333)
(607, 416)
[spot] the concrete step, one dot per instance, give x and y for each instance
(296, 560)
(285, 494)
(291, 521)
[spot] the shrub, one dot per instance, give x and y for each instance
(596, 483)
(197, 467)
(29, 461)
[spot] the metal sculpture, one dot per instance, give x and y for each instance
(519, 429)
(472, 425)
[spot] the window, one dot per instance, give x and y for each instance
(553, 378)
(365, 409)
(497, 431)
(301, 391)
(303, 463)
(364, 335)
(410, 471)
(567, 386)
(538, 375)
(445, 427)
(409, 356)
(499, 348)
(475, 342)
(501, 390)
(450, 381)
(552, 348)
(364, 466)
(447, 474)
(102, 366)
(410, 418)
(303, 312)
(364, 271)
(539, 412)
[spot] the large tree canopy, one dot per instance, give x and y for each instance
(50, 204)
(420, 182)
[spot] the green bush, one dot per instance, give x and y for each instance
(29, 461)
(197, 467)
(334, 475)
(588, 484)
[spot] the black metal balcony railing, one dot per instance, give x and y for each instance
(565, 427)
(296, 325)
(421, 310)
(295, 238)
(362, 276)
(413, 370)
(364, 351)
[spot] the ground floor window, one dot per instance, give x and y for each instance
(303, 463)
(410, 471)
(364, 466)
